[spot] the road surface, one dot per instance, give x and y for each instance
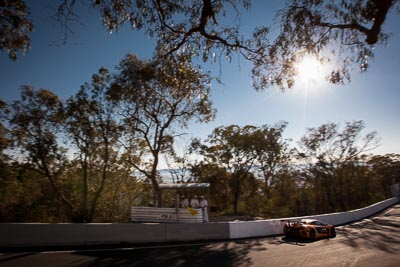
(371, 242)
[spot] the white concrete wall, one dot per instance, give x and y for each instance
(42, 234)
(275, 227)
(255, 228)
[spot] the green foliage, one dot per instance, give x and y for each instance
(15, 27)
(121, 191)
(231, 148)
(240, 151)
(386, 171)
(327, 172)
(111, 126)
(94, 132)
(331, 174)
(155, 99)
(252, 170)
(218, 178)
(25, 196)
(39, 123)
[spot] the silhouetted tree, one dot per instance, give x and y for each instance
(94, 133)
(35, 124)
(386, 168)
(272, 153)
(232, 148)
(342, 32)
(218, 177)
(211, 30)
(15, 27)
(157, 99)
(331, 161)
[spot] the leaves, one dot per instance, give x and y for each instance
(15, 27)
(251, 168)
(156, 99)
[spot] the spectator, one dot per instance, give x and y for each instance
(204, 205)
(194, 203)
(184, 202)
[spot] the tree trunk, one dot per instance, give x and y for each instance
(235, 203)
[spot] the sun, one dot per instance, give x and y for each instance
(310, 70)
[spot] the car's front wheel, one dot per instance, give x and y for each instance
(333, 232)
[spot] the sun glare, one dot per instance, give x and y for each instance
(309, 70)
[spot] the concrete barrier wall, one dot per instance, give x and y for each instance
(98, 233)
(42, 234)
(275, 226)
(202, 231)
(255, 228)
(33, 234)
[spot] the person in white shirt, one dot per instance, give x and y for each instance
(184, 202)
(204, 205)
(194, 203)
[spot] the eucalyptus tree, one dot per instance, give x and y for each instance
(35, 125)
(41, 127)
(330, 147)
(386, 169)
(344, 33)
(93, 132)
(333, 160)
(232, 148)
(272, 153)
(26, 195)
(218, 178)
(157, 99)
(211, 30)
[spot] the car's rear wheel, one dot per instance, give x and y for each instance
(312, 233)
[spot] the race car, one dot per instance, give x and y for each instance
(308, 228)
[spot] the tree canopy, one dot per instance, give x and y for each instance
(344, 32)
(80, 160)
(155, 100)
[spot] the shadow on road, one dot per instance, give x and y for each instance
(17, 256)
(233, 253)
(220, 254)
(382, 232)
(299, 241)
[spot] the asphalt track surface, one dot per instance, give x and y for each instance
(371, 242)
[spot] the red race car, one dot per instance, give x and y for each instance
(308, 228)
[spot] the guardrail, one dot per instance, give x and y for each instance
(44, 234)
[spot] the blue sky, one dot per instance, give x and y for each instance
(372, 97)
